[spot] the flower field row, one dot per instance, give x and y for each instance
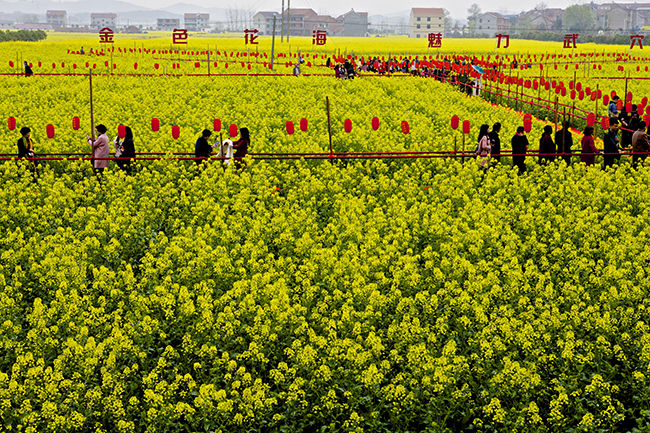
(361, 297)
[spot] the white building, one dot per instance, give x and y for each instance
(263, 21)
(168, 24)
(57, 19)
(426, 20)
(101, 20)
(491, 24)
(196, 22)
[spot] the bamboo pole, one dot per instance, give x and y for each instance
(329, 124)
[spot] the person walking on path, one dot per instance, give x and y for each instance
(100, 149)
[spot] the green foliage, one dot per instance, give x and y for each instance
(578, 18)
(334, 297)
(22, 35)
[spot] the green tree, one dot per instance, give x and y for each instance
(472, 15)
(578, 18)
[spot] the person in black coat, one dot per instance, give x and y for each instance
(611, 150)
(564, 142)
(203, 149)
(28, 70)
(546, 146)
(25, 143)
(127, 148)
(519, 148)
(495, 142)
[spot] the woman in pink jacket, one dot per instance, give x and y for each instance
(100, 149)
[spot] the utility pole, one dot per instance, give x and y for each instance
(273, 44)
(288, 19)
(282, 18)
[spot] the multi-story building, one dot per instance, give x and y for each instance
(426, 20)
(622, 16)
(490, 24)
(57, 19)
(196, 22)
(263, 22)
(102, 20)
(295, 21)
(354, 23)
(168, 24)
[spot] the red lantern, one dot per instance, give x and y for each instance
(628, 97)
(591, 119)
(573, 94)
(11, 64)
(628, 107)
(50, 131)
(466, 126)
(613, 93)
(347, 125)
(232, 130)
(156, 65)
(405, 127)
(528, 125)
(289, 127)
(454, 122)
(135, 66)
(197, 64)
(619, 104)
(647, 110)
(121, 131)
(155, 124)
(639, 110)
(216, 125)
(176, 132)
(644, 101)
(581, 95)
(11, 123)
(606, 100)
(563, 91)
(76, 123)
(605, 123)
(375, 123)
(303, 125)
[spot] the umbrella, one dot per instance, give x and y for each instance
(478, 69)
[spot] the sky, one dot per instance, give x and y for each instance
(458, 8)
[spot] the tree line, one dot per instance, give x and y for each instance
(22, 35)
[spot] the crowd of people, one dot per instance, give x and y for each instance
(559, 145)
(124, 148)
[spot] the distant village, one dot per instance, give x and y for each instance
(607, 17)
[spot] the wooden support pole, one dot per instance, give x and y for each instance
(273, 44)
(92, 112)
(329, 124)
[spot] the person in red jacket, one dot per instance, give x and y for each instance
(241, 147)
(546, 146)
(589, 150)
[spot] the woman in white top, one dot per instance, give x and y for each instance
(484, 147)
(225, 151)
